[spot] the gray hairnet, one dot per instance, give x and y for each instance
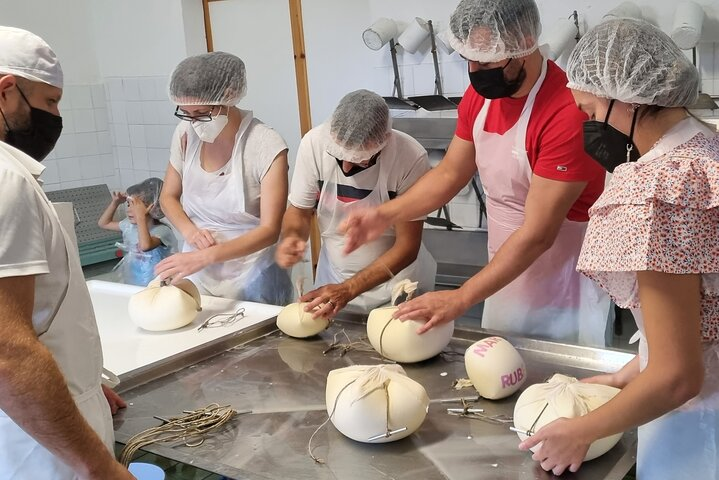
(216, 78)
(360, 126)
(148, 192)
(494, 30)
(634, 62)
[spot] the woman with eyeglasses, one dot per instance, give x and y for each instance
(653, 245)
(225, 187)
(355, 160)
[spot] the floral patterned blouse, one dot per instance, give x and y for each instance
(660, 213)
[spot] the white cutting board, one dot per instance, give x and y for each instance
(126, 347)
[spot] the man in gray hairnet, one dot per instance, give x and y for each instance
(55, 421)
(356, 160)
(519, 128)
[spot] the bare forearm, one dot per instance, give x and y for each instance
(146, 242)
(654, 391)
(297, 223)
(251, 242)
(435, 189)
(34, 394)
(172, 208)
(393, 260)
(514, 257)
(108, 215)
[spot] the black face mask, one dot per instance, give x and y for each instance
(356, 168)
(607, 145)
(39, 137)
(492, 84)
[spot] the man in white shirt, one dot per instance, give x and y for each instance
(55, 421)
(355, 160)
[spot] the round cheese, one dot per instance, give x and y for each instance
(367, 401)
(494, 367)
(398, 340)
(563, 396)
(160, 308)
(295, 322)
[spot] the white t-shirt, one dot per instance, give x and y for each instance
(31, 242)
(262, 145)
(403, 157)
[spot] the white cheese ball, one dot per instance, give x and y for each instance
(495, 367)
(159, 308)
(399, 341)
(563, 396)
(361, 398)
(295, 322)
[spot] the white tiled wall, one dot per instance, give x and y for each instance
(83, 154)
(708, 63)
(141, 124)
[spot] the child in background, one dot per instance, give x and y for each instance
(146, 240)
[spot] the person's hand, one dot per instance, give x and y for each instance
(330, 299)
(118, 198)
(200, 239)
(363, 226)
(290, 251)
(137, 208)
(563, 446)
(180, 265)
(434, 307)
(113, 399)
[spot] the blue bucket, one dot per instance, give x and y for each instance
(146, 471)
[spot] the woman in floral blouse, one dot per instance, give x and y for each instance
(653, 245)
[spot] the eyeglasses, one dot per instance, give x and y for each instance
(193, 118)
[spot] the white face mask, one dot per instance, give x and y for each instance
(209, 131)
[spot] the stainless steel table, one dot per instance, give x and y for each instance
(282, 380)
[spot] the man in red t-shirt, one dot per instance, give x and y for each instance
(519, 128)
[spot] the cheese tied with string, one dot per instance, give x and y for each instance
(161, 307)
(375, 403)
(495, 367)
(562, 396)
(295, 322)
(398, 340)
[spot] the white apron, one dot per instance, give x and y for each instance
(217, 203)
(334, 266)
(550, 298)
(74, 342)
(683, 443)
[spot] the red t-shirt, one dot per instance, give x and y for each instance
(555, 144)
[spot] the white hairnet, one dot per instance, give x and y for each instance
(148, 192)
(216, 78)
(26, 55)
(494, 30)
(634, 62)
(360, 126)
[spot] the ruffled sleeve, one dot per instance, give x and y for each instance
(658, 215)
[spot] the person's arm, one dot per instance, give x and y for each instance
(546, 207)
(433, 190)
(146, 242)
(333, 298)
(296, 226)
(618, 379)
(671, 307)
(106, 220)
(273, 200)
(33, 392)
(172, 208)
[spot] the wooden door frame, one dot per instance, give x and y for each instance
(303, 91)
